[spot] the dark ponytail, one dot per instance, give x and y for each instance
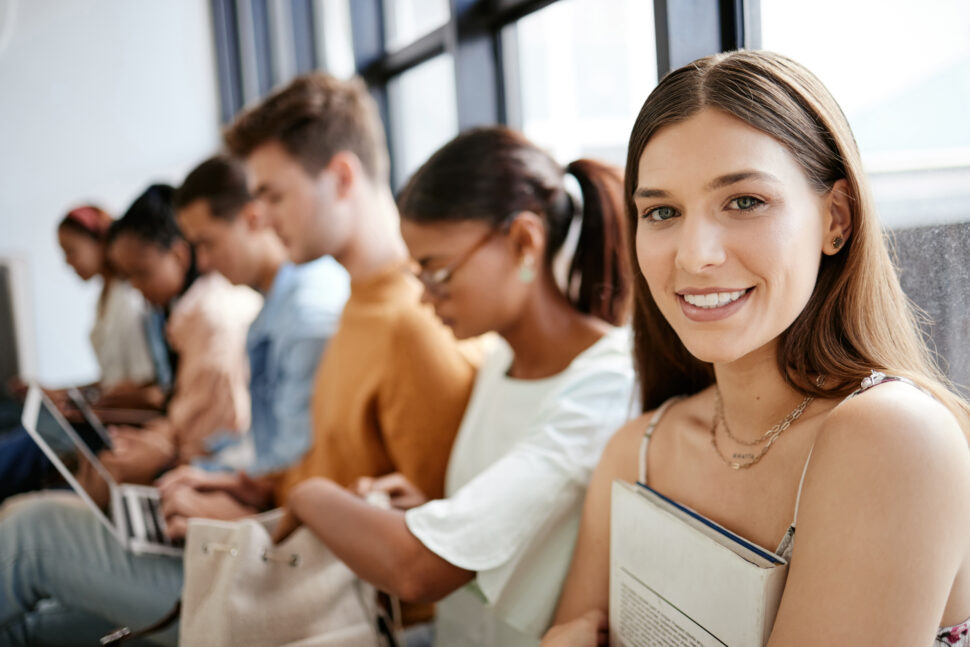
(600, 262)
(489, 174)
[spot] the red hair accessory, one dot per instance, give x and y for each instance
(92, 219)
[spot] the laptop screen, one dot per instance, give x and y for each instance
(71, 456)
(93, 433)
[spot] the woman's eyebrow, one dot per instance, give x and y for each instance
(717, 183)
(644, 192)
(740, 176)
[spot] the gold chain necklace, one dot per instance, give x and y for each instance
(770, 436)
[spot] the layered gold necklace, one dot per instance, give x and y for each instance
(768, 438)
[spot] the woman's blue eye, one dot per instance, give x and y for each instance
(746, 202)
(659, 214)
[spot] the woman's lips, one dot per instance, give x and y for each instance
(712, 305)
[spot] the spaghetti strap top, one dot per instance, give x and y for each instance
(957, 635)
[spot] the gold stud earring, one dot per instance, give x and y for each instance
(837, 243)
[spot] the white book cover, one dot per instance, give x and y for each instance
(677, 578)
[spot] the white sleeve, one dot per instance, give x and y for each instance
(123, 349)
(488, 524)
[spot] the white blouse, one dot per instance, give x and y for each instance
(119, 337)
(515, 484)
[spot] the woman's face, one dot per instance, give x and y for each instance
(482, 293)
(729, 234)
(157, 273)
(83, 253)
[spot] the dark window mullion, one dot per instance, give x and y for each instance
(478, 73)
(423, 49)
(304, 36)
(690, 29)
(227, 58)
(367, 30)
(261, 41)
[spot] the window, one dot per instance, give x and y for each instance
(335, 49)
(583, 73)
(901, 72)
(408, 20)
(423, 114)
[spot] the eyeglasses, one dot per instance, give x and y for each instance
(434, 281)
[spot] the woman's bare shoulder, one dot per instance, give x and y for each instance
(622, 454)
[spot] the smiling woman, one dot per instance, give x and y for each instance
(734, 238)
(766, 296)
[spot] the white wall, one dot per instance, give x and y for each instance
(98, 98)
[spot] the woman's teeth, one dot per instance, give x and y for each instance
(713, 299)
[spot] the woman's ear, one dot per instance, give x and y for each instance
(838, 218)
(527, 235)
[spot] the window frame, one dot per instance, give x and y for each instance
(248, 48)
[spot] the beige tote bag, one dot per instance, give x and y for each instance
(241, 590)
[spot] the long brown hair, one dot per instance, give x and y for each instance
(491, 173)
(858, 318)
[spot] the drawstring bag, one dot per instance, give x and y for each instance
(241, 590)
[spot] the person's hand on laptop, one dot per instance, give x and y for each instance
(181, 503)
(137, 455)
(256, 492)
(195, 478)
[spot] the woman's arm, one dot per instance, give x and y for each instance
(882, 527)
(587, 586)
(375, 543)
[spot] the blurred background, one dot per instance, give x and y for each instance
(98, 98)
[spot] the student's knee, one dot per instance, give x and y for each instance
(31, 522)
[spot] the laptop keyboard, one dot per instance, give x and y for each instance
(152, 525)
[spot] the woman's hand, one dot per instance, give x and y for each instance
(180, 504)
(195, 478)
(403, 494)
(588, 630)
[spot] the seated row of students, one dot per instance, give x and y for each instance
(762, 287)
(393, 383)
(121, 338)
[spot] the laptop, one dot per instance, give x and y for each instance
(133, 513)
(81, 403)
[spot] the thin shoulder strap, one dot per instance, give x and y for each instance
(801, 482)
(875, 378)
(648, 432)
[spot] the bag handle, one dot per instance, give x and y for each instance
(124, 634)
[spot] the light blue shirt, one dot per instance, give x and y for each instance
(284, 344)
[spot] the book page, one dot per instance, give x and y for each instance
(648, 620)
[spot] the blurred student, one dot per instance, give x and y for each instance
(502, 247)
(388, 395)
(119, 333)
(302, 305)
(118, 338)
(206, 319)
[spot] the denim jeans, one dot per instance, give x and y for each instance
(65, 580)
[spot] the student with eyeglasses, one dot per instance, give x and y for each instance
(502, 246)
